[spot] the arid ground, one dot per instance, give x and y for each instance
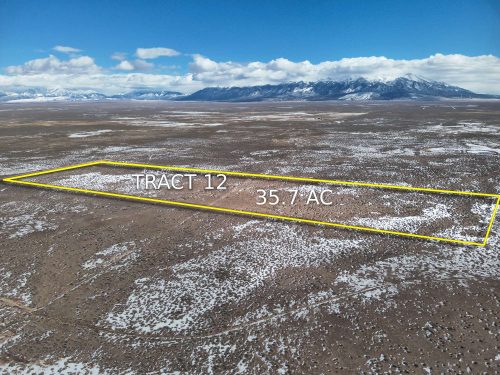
(98, 285)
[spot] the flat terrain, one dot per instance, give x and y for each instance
(95, 285)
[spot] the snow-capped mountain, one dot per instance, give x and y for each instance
(45, 95)
(145, 94)
(408, 87)
(403, 88)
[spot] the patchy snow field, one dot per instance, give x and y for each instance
(92, 285)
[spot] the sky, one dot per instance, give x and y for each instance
(116, 46)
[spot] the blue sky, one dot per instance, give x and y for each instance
(242, 32)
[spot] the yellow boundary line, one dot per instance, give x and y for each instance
(17, 180)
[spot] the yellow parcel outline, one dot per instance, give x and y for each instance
(18, 180)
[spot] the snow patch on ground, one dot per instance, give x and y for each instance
(63, 366)
(21, 219)
(384, 279)
(483, 149)
(406, 223)
(194, 288)
(162, 123)
(462, 127)
(22, 225)
(125, 251)
(99, 181)
(15, 287)
(89, 133)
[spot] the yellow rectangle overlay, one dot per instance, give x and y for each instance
(19, 180)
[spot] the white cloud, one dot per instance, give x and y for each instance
(51, 64)
(477, 73)
(66, 49)
(142, 65)
(153, 53)
(125, 65)
(119, 56)
(105, 83)
(138, 64)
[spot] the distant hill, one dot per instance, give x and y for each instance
(148, 95)
(43, 95)
(402, 88)
(46, 95)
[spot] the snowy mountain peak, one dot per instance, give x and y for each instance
(415, 78)
(407, 87)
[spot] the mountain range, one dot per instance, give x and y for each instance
(402, 88)
(44, 95)
(408, 87)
